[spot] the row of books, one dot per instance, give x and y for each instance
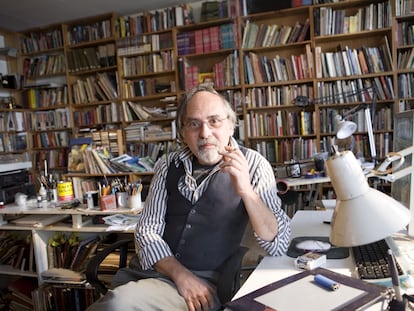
(55, 158)
(35, 42)
(136, 111)
(70, 252)
(262, 35)
(272, 96)
(97, 161)
(144, 43)
(146, 87)
(45, 97)
(235, 98)
(149, 63)
(163, 19)
(10, 142)
(348, 61)
(382, 120)
(261, 69)
(91, 32)
(361, 145)
(50, 139)
(16, 251)
(44, 65)
(227, 72)
(20, 294)
(406, 85)
(91, 58)
(15, 121)
(330, 21)
(147, 132)
(405, 59)
(100, 87)
(210, 39)
(405, 33)
(280, 123)
(211, 10)
(51, 119)
(153, 150)
(51, 297)
(282, 150)
(354, 91)
(111, 139)
(404, 7)
(99, 115)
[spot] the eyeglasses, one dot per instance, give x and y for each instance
(213, 122)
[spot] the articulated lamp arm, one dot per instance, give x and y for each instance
(391, 174)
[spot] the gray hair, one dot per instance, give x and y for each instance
(182, 108)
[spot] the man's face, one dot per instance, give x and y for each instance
(207, 128)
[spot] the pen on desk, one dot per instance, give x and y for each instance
(326, 282)
(394, 275)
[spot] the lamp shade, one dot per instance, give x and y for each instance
(345, 129)
(362, 214)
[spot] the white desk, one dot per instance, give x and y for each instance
(302, 181)
(309, 223)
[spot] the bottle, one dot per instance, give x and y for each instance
(53, 185)
(89, 200)
(43, 193)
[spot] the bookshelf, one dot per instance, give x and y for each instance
(132, 71)
(14, 119)
(92, 73)
(278, 66)
(45, 96)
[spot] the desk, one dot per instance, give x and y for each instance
(310, 223)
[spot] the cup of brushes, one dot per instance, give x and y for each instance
(134, 198)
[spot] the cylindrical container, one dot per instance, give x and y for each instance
(122, 199)
(65, 191)
(134, 201)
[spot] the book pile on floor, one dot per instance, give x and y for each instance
(20, 294)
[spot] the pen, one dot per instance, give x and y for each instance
(394, 275)
(326, 282)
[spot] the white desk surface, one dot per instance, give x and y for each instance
(302, 181)
(310, 223)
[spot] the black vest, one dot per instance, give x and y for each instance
(202, 236)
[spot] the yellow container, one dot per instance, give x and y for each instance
(65, 191)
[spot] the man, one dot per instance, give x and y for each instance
(199, 203)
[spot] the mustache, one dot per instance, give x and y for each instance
(207, 141)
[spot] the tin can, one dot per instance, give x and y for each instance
(65, 191)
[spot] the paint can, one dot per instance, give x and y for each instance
(65, 191)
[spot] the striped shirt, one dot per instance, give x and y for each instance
(148, 235)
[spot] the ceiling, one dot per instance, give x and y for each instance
(19, 15)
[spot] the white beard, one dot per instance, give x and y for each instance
(208, 156)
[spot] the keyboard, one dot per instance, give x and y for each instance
(372, 264)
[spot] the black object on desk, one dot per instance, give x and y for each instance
(333, 253)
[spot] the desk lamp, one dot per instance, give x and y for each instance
(346, 128)
(362, 214)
